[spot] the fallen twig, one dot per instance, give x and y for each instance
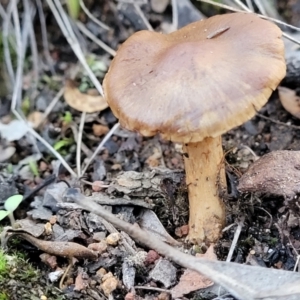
(235, 238)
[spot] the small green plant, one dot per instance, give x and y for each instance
(25, 106)
(10, 205)
(3, 264)
(9, 169)
(67, 118)
(34, 168)
(58, 146)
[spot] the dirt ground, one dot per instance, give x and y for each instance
(148, 173)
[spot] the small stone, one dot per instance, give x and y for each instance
(54, 276)
(100, 273)
(164, 272)
(43, 166)
(100, 130)
(97, 185)
(113, 239)
(99, 236)
(163, 296)
(48, 228)
(49, 260)
(110, 284)
(43, 297)
(159, 6)
(130, 296)
(182, 231)
(138, 259)
(53, 220)
(98, 247)
(151, 257)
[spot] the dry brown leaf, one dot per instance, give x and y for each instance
(289, 100)
(83, 102)
(191, 280)
(35, 118)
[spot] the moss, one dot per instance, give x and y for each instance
(19, 279)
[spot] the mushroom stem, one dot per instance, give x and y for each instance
(205, 174)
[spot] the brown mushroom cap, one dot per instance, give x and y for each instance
(195, 83)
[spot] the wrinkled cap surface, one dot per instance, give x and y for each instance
(195, 83)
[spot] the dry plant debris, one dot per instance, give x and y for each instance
(192, 281)
(83, 102)
(289, 100)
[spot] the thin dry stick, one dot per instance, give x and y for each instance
(100, 146)
(133, 1)
(22, 43)
(250, 5)
(84, 148)
(6, 25)
(90, 15)
(260, 7)
(235, 238)
(150, 288)
(29, 9)
(287, 36)
(174, 15)
(78, 150)
(297, 264)
(51, 106)
(97, 184)
(271, 218)
(243, 6)
(90, 35)
(277, 122)
(141, 14)
(44, 35)
(66, 28)
(250, 150)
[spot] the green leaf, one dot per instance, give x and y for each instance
(62, 143)
(34, 168)
(3, 214)
(13, 202)
(26, 106)
(67, 118)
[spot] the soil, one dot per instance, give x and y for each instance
(270, 235)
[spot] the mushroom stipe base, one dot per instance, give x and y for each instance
(205, 174)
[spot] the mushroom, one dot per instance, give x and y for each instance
(191, 86)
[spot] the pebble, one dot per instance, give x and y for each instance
(98, 247)
(99, 236)
(113, 239)
(54, 276)
(164, 272)
(109, 284)
(151, 257)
